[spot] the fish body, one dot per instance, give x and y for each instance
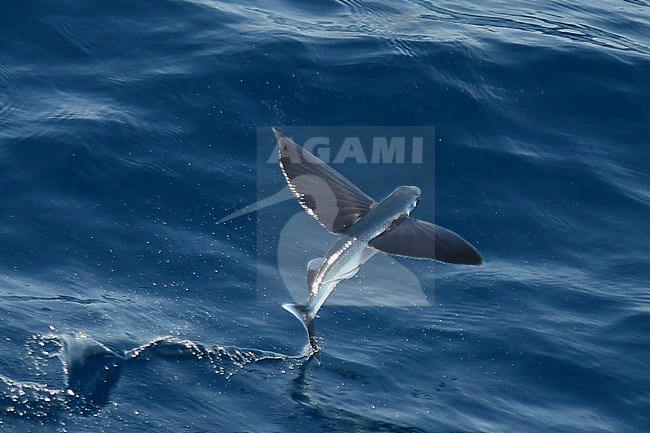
(364, 226)
(352, 249)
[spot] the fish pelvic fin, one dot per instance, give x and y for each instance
(300, 312)
(312, 270)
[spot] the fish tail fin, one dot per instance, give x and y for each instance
(301, 313)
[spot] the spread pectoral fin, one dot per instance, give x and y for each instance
(419, 239)
(324, 193)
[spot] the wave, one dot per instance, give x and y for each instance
(91, 370)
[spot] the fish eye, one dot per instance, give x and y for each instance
(417, 201)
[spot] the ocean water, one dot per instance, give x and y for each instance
(129, 130)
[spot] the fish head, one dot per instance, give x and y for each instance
(410, 195)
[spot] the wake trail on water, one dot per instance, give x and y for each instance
(91, 370)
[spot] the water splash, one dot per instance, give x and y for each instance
(91, 370)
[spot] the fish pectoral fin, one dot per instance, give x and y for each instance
(325, 194)
(312, 270)
(422, 240)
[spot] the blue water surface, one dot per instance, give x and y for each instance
(128, 129)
